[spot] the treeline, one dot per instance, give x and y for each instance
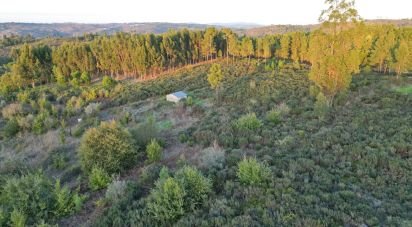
(12, 39)
(382, 48)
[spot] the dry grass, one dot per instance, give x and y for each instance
(31, 150)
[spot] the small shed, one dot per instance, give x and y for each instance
(176, 97)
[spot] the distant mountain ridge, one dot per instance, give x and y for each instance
(281, 29)
(75, 29)
(40, 30)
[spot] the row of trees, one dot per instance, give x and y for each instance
(382, 48)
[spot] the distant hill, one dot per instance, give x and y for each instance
(281, 29)
(75, 29)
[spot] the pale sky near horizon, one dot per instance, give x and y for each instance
(263, 12)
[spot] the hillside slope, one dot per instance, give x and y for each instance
(75, 29)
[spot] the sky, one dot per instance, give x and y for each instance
(262, 12)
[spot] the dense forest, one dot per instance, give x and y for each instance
(296, 129)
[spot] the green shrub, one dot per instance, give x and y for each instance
(108, 82)
(11, 128)
(189, 101)
(252, 172)
(18, 219)
(248, 122)
(31, 198)
(154, 151)
(85, 78)
(273, 116)
(108, 147)
(39, 124)
(66, 201)
(75, 75)
(23, 97)
(60, 79)
(166, 201)
(98, 178)
(321, 105)
(125, 118)
(75, 82)
(195, 185)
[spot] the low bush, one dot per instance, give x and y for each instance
(154, 151)
(86, 78)
(98, 178)
(11, 128)
(108, 82)
(248, 122)
(39, 123)
(252, 172)
(273, 116)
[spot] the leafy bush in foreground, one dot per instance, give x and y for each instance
(108, 147)
(28, 199)
(195, 185)
(166, 201)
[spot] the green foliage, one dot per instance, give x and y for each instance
(66, 202)
(28, 199)
(108, 147)
(404, 90)
(154, 151)
(166, 201)
(75, 82)
(273, 116)
(86, 78)
(108, 82)
(195, 185)
(18, 219)
(215, 76)
(321, 105)
(11, 128)
(252, 172)
(189, 101)
(98, 178)
(39, 123)
(60, 79)
(248, 122)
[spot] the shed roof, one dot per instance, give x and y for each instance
(179, 94)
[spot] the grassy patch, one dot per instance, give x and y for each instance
(405, 90)
(166, 124)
